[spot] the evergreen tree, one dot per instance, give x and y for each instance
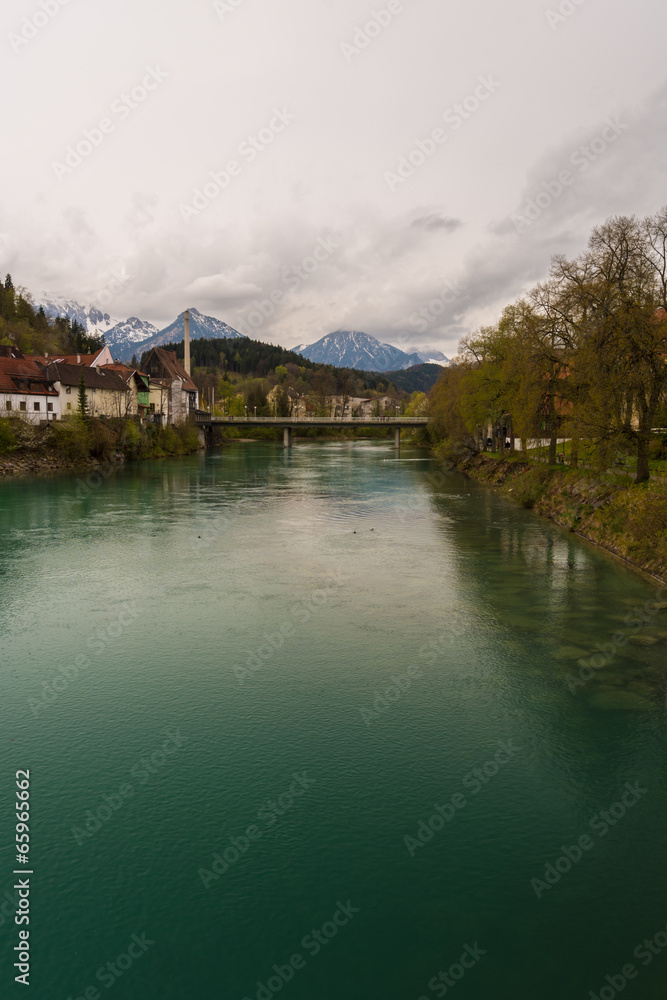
(82, 407)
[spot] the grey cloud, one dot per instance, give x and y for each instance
(400, 252)
(435, 221)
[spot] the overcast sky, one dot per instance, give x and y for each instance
(304, 109)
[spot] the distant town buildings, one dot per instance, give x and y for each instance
(40, 388)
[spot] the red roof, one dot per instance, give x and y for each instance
(22, 376)
(165, 364)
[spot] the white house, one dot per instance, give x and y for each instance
(25, 389)
(107, 393)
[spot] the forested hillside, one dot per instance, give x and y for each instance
(33, 332)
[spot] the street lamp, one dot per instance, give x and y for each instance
(246, 412)
(255, 413)
(397, 409)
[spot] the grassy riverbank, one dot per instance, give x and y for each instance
(74, 443)
(608, 509)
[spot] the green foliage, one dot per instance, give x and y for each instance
(133, 439)
(101, 439)
(82, 404)
(30, 329)
(252, 359)
(74, 339)
(176, 439)
(418, 405)
(658, 449)
(282, 402)
(70, 438)
(78, 441)
(8, 438)
(582, 356)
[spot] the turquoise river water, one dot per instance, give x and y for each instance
(322, 724)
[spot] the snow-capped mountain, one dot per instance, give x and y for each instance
(123, 337)
(134, 335)
(200, 326)
(354, 349)
(433, 358)
(92, 319)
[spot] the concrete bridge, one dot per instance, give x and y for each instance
(207, 422)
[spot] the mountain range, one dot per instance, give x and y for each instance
(134, 335)
(342, 349)
(354, 349)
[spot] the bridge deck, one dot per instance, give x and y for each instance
(204, 418)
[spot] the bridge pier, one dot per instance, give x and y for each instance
(287, 437)
(397, 438)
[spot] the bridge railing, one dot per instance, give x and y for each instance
(203, 416)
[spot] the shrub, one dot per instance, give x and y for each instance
(657, 448)
(168, 441)
(8, 439)
(101, 439)
(189, 436)
(70, 437)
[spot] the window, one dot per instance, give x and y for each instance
(151, 408)
(8, 404)
(69, 406)
(22, 405)
(35, 406)
(68, 389)
(49, 407)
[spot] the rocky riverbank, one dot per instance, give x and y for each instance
(31, 465)
(627, 520)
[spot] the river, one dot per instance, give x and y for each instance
(323, 723)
